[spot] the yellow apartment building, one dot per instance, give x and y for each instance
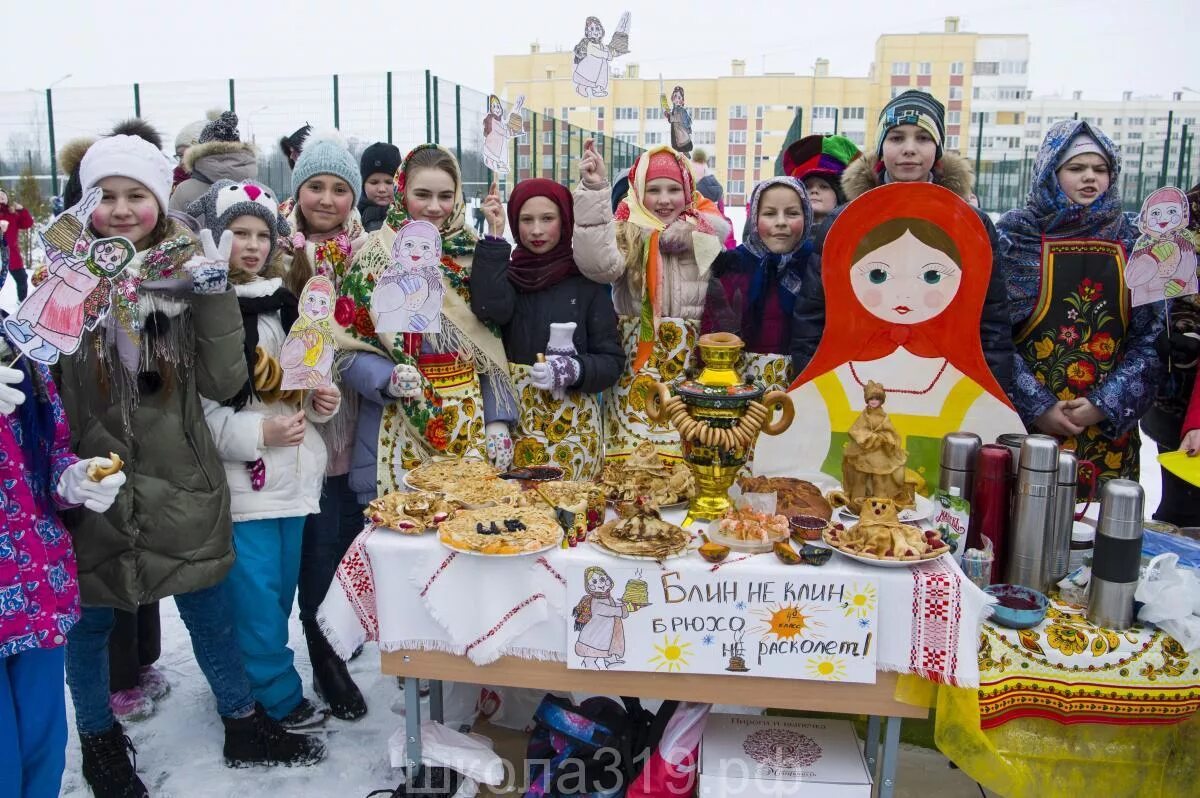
(741, 119)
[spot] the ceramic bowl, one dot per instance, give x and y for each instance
(1019, 607)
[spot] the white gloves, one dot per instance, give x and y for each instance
(75, 487)
(10, 397)
(405, 382)
(210, 271)
(499, 444)
(556, 375)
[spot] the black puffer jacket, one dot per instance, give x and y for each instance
(524, 319)
(995, 327)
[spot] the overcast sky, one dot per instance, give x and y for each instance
(1096, 46)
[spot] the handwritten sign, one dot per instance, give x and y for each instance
(632, 618)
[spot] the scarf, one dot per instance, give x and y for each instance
(1049, 213)
(782, 269)
(331, 257)
(251, 307)
(527, 271)
(633, 210)
(457, 238)
(373, 216)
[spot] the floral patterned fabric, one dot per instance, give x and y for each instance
(625, 421)
(1070, 346)
(565, 433)
(1070, 671)
(39, 591)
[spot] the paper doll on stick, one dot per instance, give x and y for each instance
(77, 293)
(307, 354)
(409, 294)
(498, 130)
(1163, 262)
(592, 56)
(676, 113)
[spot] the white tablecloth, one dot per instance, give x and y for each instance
(409, 592)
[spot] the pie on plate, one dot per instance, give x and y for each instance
(410, 513)
(501, 531)
(792, 496)
(644, 474)
(641, 533)
(441, 474)
(483, 492)
(882, 536)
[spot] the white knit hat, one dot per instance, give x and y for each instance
(1082, 143)
(131, 157)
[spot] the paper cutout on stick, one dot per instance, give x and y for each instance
(500, 128)
(77, 293)
(676, 113)
(1163, 262)
(592, 56)
(307, 354)
(905, 271)
(409, 294)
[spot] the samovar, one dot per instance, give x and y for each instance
(718, 416)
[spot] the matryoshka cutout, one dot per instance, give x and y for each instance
(905, 272)
(409, 294)
(307, 354)
(1163, 262)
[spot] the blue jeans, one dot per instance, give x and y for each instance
(209, 620)
(327, 535)
(33, 723)
(263, 583)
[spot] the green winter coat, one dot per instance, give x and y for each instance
(169, 531)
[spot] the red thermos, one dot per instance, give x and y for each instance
(990, 504)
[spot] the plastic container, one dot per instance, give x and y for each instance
(1083, 541)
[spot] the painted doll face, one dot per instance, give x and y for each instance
(677, 97)
(325, 201)
(417, 250)
(1163, 217)
(821, 196)
(539, 225)
(109, 255)
(599, 582)
(429, 196)
(1084, 178)
(251, 243)
(664, 198)
(908, 153)
(593, 30)
(497, 109)
(127, 209)
(906, 281)
(315, 305)
(780, 219)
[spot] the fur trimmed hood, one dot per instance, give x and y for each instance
(953, 172)
(71, 154)
(210, 148)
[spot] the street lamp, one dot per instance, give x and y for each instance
(50, 125)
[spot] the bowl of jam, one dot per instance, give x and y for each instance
(1017, 606)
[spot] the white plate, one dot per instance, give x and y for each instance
(542, 550)
(923, 510)
(692, 545)
(887, 563)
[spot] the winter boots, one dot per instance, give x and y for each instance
(257, 739)
(331, 679)
(107, 766)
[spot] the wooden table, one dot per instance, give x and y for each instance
(874, 700)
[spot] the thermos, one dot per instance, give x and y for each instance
(959, 451)
(1117, 558)
(1012, 441)
(1058, 539)
(1033, 512)
(990, 504)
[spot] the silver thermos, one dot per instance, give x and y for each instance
(1012, 441)
(1033, 512)
(959, 451)
(1058, 537)
(1117, 558)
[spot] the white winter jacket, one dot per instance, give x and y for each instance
(600, 258)
(292, 488)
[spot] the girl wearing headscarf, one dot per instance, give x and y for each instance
(423, 394)
(559, 328)
(1086, 369)
(657, 256)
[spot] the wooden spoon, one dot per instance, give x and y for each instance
(713, 552)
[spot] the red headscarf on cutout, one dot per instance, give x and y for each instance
(853, 333)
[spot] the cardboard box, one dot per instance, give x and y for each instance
(742, 756)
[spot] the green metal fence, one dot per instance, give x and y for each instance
(405, 108)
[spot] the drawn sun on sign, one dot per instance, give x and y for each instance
(786, 621)
(672, 655)
(830, 669)
(861, 601)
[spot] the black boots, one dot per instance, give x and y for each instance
(257, 739)
(331, 679)
(107, 766)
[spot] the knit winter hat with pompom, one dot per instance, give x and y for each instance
(326, 153)
(128, 156)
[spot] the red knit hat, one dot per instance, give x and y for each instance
(663, 164)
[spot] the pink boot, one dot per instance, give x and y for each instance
(132, 704)
(152, 683)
